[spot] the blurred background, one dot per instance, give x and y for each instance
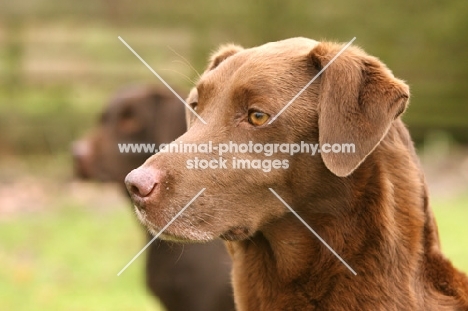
(61, 241)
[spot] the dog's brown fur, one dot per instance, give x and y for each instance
(372, 206)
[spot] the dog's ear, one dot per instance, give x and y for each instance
(358, 101)
(223, 52)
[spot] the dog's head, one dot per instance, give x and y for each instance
(137, 114)
(354, 101)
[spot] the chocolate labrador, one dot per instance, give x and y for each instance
(363, 191)
(190, 277)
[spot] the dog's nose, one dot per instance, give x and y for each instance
(141, 181)
(80, 148)
(81, 158)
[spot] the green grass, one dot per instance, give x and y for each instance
(67, 258)
(452, 216)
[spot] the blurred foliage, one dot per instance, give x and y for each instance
(60, 60)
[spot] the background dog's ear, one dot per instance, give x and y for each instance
(359, 99)
(223, 52)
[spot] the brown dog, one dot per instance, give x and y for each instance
(370, 205)
(191, 277)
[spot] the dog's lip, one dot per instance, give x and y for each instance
(172, 237)
(139, 203)
(154, 229)
(165, 235)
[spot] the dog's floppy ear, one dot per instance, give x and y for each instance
(359, 99)
(223, 52)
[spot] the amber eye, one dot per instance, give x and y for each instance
(258, 118)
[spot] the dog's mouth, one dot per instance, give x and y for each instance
(155, 230)
(190, 235)
(170, 237)
(236, 233)
(139, 204)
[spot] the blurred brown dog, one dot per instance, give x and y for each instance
(370, 205)
(190, 277)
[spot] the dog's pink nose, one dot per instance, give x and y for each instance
(82, 155)
(141, 181)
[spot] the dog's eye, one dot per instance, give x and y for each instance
(127, 113)
(258, 118)
(194, 106)
(104, 118)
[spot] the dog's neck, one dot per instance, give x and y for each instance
(378, 224)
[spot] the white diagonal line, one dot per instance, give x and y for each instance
(162, 80)
(311, 81)
(313, 231)
(162, 230)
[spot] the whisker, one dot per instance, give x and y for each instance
(181, 252)
(186, 61)
(184, 76)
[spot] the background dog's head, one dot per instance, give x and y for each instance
(355, 100)
(138, 114)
